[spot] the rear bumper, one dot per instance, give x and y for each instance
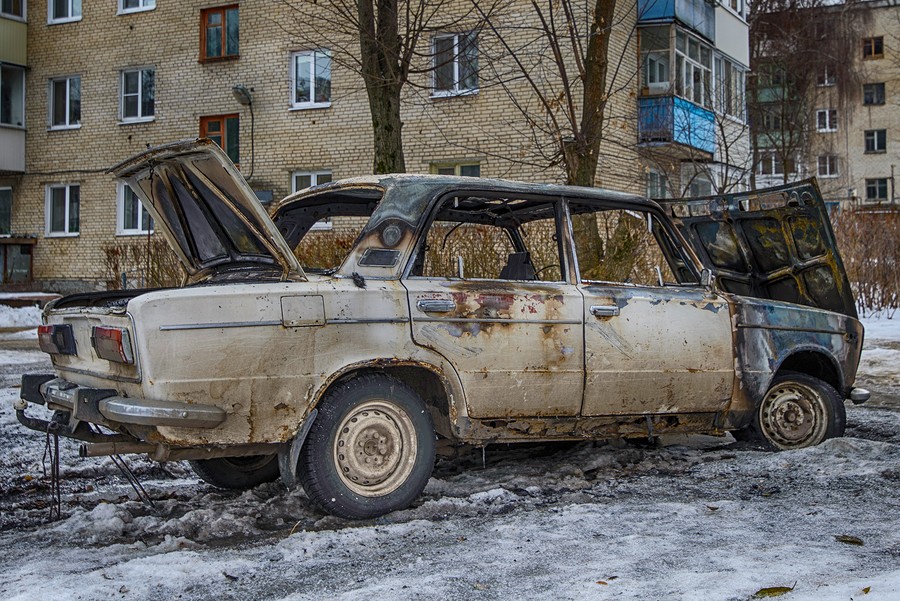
(105, 407)
(859, 395)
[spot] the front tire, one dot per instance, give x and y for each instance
(237, 473)
(799, 411)
(370, 450)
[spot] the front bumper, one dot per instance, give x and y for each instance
(105, 406)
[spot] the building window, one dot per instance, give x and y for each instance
(873, 48)
(132, 217)
(135, 6)
(873, 93)
(876, 189)
(730, 88)
(63, 11)
(466, 169)
(138, 95)
(5, 211)
(12, 95)
(311, 76)
(65, 102)
(826, 120)
(772, 163)
(876, 140)
(300, 180)
(693, 69)
(62, 209)
(828, 165)
(224, 130)
(655, 61)
(12, 8)
(657, 185)
(826, 77)
(219, 33)
(455, 64)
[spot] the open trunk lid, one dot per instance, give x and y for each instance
(775, 244)
(206, 210)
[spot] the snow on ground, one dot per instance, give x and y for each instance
(699, 518)
(19, 317)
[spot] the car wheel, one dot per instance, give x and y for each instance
(370, 450)
(799, 411)
(237, 473)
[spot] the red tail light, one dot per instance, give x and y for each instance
(112, 344)
(57, 340)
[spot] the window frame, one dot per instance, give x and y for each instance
(121, 230)
(826, 78)
(10, 190)
(871, 44)
(326, 224)
(661, 183)
(21, 100)
(143, 6)
(311, 103)
(48, 216)
(13, 16)
(223, 10)
(831, 119)
(435, 168)
(71, 18)
(831, 166)
(141, 118)
(204, 132)
(878, 93)
(686, 66)
(878, 138)
(51, 97)
(456, 89)
(877, 183)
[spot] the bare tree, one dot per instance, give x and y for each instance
(382, 41)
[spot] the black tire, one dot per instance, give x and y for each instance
(798, 411)
(389, 429)
(237, 473)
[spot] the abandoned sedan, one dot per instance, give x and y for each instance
(365, 325)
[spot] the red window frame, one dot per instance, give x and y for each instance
(222, 11)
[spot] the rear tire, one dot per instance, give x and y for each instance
(237, 473)
(798, 411)
(370, 450)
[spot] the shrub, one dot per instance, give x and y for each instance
(144, 262)
(869, 243)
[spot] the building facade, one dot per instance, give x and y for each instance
(86, 85)
(849, 130)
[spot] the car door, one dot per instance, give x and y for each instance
(652, 345)
(497, 305)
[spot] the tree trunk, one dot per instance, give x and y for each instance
(384, 103)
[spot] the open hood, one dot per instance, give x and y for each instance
(775, 244)
(206, 210)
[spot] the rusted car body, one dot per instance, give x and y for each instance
(257, 367)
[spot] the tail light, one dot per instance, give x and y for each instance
(112, 344)
(57, 340)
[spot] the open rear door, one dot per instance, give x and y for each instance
(775, 244)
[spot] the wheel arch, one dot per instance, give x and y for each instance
(813, 362)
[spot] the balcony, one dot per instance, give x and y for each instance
(698, 15)
(12, 150)
(674, 120)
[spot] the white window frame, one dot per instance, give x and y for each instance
(143, 6)
(22, 17)
(876, 181)
(661, 183)
(50, 104)
(311, 103)
(71, 18)
(456, 90)
(457, 166)
(140, 118)
(826, 78)
(324, 224)
(876, 147)
(47, 211)
(831, 166)
(831, 124)
(689, 65)
(121, 230)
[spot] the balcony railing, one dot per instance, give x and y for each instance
(699, 15)
(674, 120)
(12, 150)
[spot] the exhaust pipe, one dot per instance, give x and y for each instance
(102, 449)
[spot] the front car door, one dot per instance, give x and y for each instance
(655, 343)
(489, 290)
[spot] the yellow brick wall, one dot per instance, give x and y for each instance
(485, 127)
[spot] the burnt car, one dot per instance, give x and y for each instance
(440, 311)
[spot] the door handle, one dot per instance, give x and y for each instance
(604, 310)
(435, 306)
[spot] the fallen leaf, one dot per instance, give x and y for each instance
(712, 508)
(866, 590)
(773, 591)
(603, 583)
(849, 540)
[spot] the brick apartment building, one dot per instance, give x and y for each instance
(87, 84)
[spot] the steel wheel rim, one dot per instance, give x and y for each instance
(793, 416)
(375, 448)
